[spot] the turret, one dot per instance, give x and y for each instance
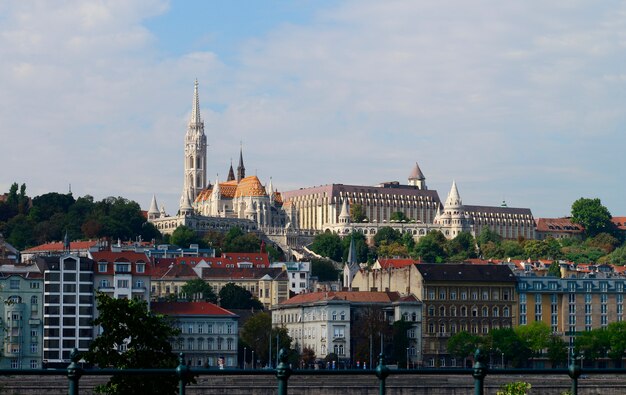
(417, 179)
(153, 211)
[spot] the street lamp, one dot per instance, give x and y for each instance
(407, 358)
(253, 359)
(502, 360)
(244, 357)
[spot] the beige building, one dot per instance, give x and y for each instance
(456, 297)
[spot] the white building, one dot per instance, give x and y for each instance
(299, 274)
(325, 321)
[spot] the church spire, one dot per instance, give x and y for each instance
(241, 170)
(195, 108)
(231, 173)
(153, 212)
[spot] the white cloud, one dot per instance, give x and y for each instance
(518, 97)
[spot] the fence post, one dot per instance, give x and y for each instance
(574, 372)
(283, 371)
(74, 371)
(382, 371)
(182, 371)
(479, 372)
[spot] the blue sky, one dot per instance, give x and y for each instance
(516, 101)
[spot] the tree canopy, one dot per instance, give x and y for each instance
(198, 289)
(329, 245)
(233, 296)
(146, 336)
(256, 332)
(591, 214)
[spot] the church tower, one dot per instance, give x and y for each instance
(417, 179)
(241, 170)
(195, 153)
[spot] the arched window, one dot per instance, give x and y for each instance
(431, 311)
(342, 316)
(505, 312)
(474, 311)
(463, 311)
(453, 311)
(442, 311)
(485, 311)
(496, 312)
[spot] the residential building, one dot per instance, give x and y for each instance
(557, 228)
(208, 333)
(333, 322)
(456, 297)
(122, 274)
(79, 248)
(299, 274)
(573, 304)
(68, 307)
(270, 286)
(21, 312)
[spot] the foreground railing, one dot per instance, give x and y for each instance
(283, 372)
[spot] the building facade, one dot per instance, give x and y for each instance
(21, 312)
(208, 333)
(326, 321)
(69, 307)
(122, 274)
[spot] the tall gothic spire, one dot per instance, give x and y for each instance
(241, 170)
(231, 173)
(454, 199)
(195, 108)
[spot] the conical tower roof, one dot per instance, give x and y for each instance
(416, 173)
(231, 172)
(454, 199)
(345, 211)
(154, 207)
(352, 258)
(195, 119)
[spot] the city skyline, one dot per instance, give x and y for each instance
(516, 102)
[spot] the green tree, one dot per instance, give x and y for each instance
(198, 289)
(48, 204)
(146, 335)
(512, 249)
(617, 257)
(233, 296)
(324, 270)
(431, 247)
(257, 331)
(554, 269)
(462, 247)
(506, 343)
(387, 234)
(398, 216)
(328, 245)
(400, 330)
(463, 344)
(487, 235)
(536, 334)
(603, 241)
(357, 214)
(184, 236)
(594, 343)
(617, 339)
(592, 215)
(557, 351)
(236, 240)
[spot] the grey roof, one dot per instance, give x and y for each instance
(465, 272)
(416, 173)
(497, 209)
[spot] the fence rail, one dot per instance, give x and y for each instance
(283, 372)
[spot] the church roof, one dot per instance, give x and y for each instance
(250, 186)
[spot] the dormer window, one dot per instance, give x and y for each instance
(122, 268)
(102, 267)
(141, 267)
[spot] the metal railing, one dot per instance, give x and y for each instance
(283, 373)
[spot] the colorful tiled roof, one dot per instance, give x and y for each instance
(395, 263)
(189, 308)
(250, 186)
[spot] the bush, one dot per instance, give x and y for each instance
(514, 388)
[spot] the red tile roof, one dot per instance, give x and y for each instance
(58, 246)
(189, 308)
(396, 263)
(561, 225)
(620, 222)
(132, 257)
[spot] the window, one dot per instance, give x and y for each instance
(33, 347)
(442, 294)
(122, 283)
(104, 284)
(34, 285)
(141, 267)
(139, 284)
(102, 267)
(14, 284)
(229, 344)
(343, 316)
(485, 311)
(463, 295)
(15, 364)
(334, 316)
(452, 295)
(122, 267)
(34, 364)
(442, 311)
(338, 332)
(485, 295)
(505, 312)
(229, 329)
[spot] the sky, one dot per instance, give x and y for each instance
(517, 101)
